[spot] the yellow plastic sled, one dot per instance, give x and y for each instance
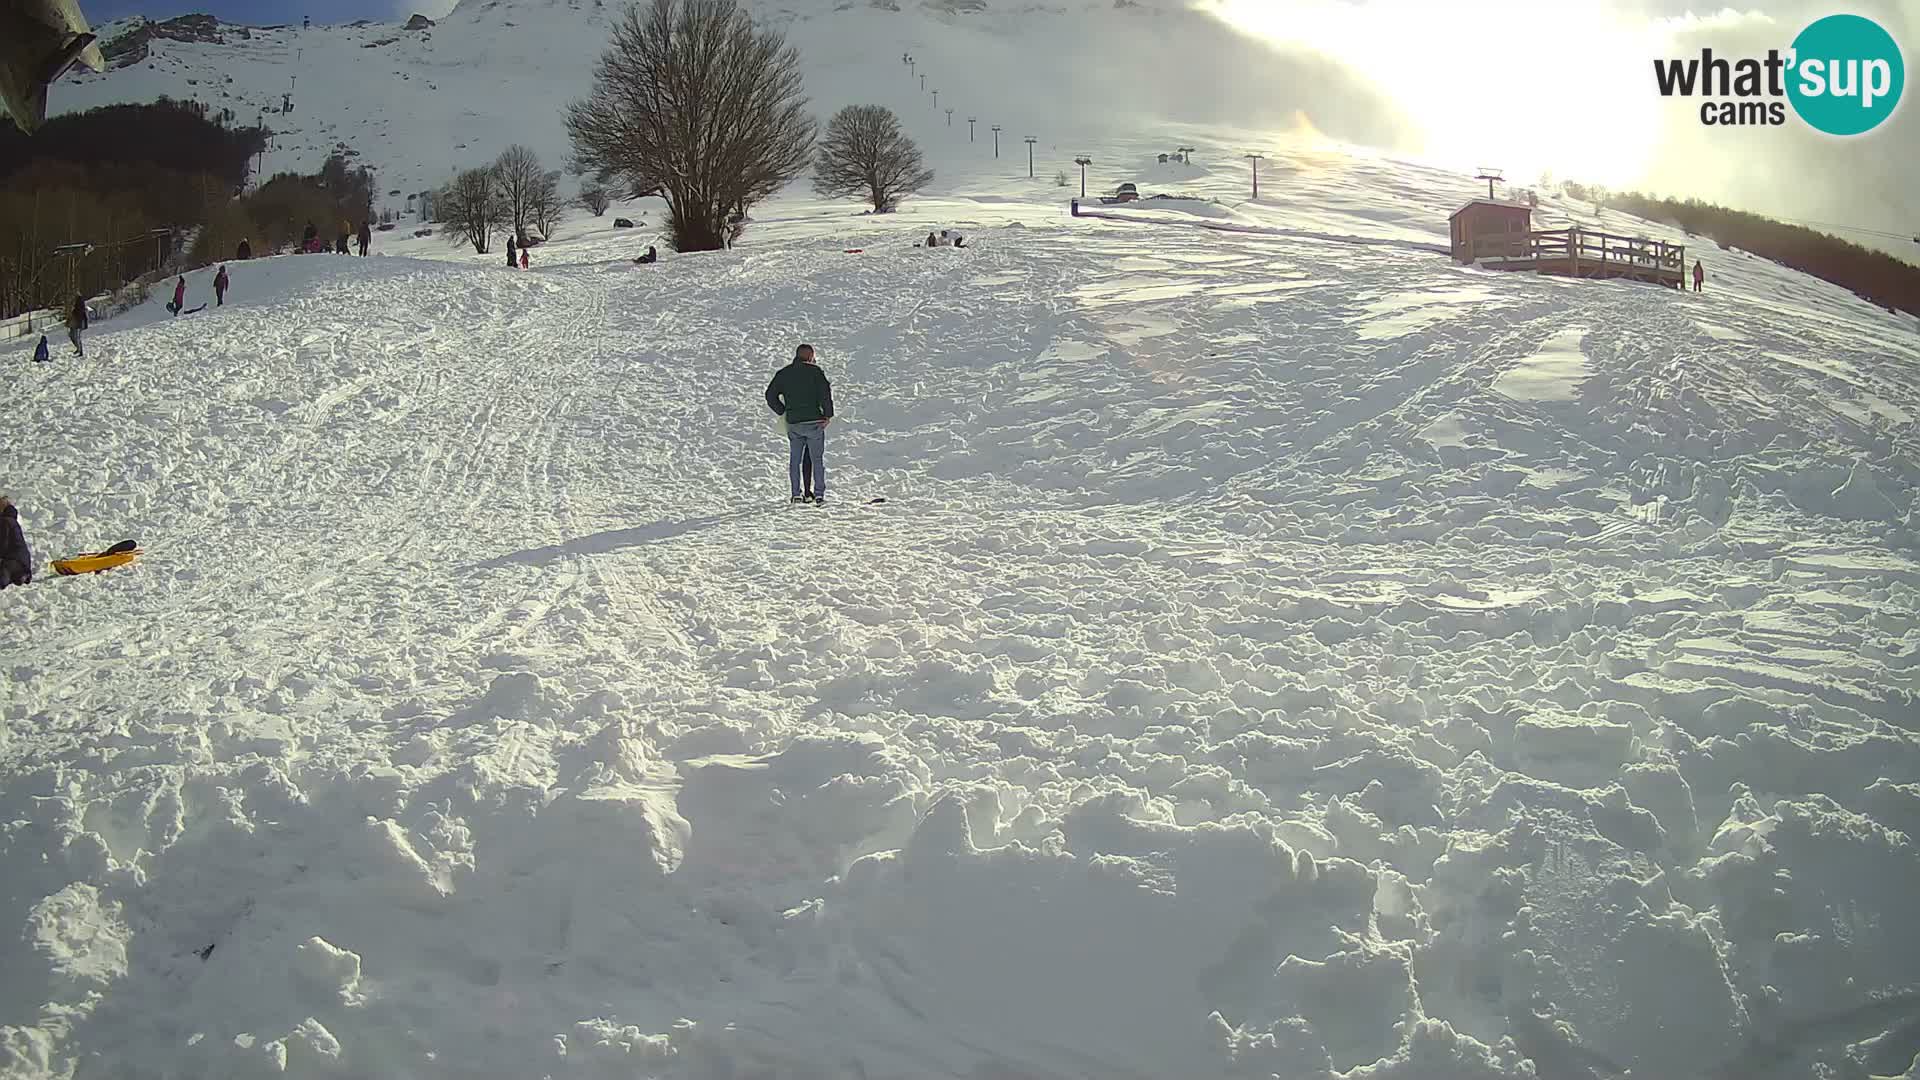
(119, 554)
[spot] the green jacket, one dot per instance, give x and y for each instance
(801, 393)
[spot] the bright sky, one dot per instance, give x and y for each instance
(1478, 80)
(1567, 87)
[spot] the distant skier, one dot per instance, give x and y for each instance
(652, 256)
(77, 322)
(1699, 274)
(220, 283)
(179, 296)
(310, 237)
(801, 393)
(366, 239)
(513, 259)
(340, 241)
(244, 251)
(40, 353)
(16, 558)
(523, 256)
(933, 240)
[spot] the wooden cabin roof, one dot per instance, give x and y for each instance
(1497, 204)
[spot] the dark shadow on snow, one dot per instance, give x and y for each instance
(602, 543)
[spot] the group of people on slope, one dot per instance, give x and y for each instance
(944, 238)
(78, 318)
(177, 306)
(522, 263)
(310, 242)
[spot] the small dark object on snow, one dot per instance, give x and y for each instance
(622, 223)
(16, 558)
(206, 952)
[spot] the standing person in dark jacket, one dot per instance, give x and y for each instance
(16, 558)
(512, 259)
(244, 251)
(309, 237)
(76, 322)
(366, 239)
(220, 284)
(801, 393)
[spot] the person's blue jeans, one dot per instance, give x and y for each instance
(807, 440)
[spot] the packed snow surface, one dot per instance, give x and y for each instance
(1281, 652)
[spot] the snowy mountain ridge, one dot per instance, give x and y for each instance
(416, 105)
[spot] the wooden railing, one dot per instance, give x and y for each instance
(1582, 247)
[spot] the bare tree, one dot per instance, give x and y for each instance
(594, 196)
(690, 101)
(543, 207)
(519, 177)
(865, 152)
(473, 208)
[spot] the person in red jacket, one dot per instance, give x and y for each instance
(1699, 274)
(523, 257)
(179, 296)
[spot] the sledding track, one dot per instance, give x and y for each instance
(475, 639)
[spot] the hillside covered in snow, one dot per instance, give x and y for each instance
(415, 104)
(1240, 642)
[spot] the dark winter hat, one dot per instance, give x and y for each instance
(800, 351)
(6, 507)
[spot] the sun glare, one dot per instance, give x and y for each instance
(1523, 85)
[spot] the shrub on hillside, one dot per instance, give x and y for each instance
(693, 102)
(865, 153)
(474, 209)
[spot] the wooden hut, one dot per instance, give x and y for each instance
(1484, 220)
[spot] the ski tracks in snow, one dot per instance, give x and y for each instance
(477, 641)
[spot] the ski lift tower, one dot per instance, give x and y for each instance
(1491, 176)
(72, 253)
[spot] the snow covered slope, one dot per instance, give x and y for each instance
(1281, 652)
(415, 105)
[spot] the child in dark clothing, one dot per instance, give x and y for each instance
(16, 559)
